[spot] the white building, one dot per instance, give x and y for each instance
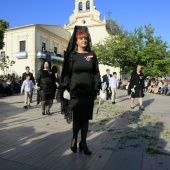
(25, 44)
(85, 14)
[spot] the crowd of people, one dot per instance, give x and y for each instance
(80, 83)
(158, 85)
(9, 85)
(136, 85)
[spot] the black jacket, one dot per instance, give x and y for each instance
(67, 79)
(69, 69)
(105, 79)
(46, 81)
(138, 81)
(31, 77)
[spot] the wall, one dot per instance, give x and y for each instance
(11, 39)
(34, 35)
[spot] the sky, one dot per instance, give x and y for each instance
(130, 14)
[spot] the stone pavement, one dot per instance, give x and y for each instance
(120, 138)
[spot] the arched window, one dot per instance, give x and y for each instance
(88, 5)
(80, 6)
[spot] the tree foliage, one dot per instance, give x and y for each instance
(126, 49)
(5, 62)
(3, 26)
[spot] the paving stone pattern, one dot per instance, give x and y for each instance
(120, 138)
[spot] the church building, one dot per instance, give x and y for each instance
(29, 45)
(86, 14)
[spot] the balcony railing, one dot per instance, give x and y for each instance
(41, 54)
(22, 54)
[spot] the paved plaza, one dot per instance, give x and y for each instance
(120, 138)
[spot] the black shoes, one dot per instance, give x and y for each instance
(81, 147)
(48, 113)
(85, 149)
(74, 145)
(113, 102)
(141, 108)
(25, 107)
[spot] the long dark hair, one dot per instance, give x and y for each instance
(135, 68)
(49, 63)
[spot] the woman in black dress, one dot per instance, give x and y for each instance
(80, 83)
(46, 82)
(136, 87)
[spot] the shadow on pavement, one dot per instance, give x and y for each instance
(118, 140)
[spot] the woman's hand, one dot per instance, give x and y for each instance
(66, 95)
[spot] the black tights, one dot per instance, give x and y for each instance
(46, 105)
(84, 129)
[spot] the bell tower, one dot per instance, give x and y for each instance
(84, 5)
(85, 13)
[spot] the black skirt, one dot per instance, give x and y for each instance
(47, 95)
(82, 107)
(138, 93)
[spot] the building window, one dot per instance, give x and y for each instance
(88, 5)
(43, 46)
(22, 46)
(55, 50)
(80, 6)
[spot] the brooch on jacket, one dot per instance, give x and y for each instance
(88, 58)
(50, 72)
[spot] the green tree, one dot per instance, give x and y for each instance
(126, 49)
(117, 50)
(152, 51)
(5, 62)
(3, 26)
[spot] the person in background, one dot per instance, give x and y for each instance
(113, 84)
(46, 81)
(136, 87)
(27, 72)
(27, 86)
(158, 89)
(165, 88)
(106, 78)
(146, 85)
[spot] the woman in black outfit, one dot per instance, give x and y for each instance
(80, 83)
(46, 82)
(136, 87)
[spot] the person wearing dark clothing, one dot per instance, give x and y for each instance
(106, 78)
(80, 81)
(24, 75)
(46, 81)
(28, 73)
(136, 87)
